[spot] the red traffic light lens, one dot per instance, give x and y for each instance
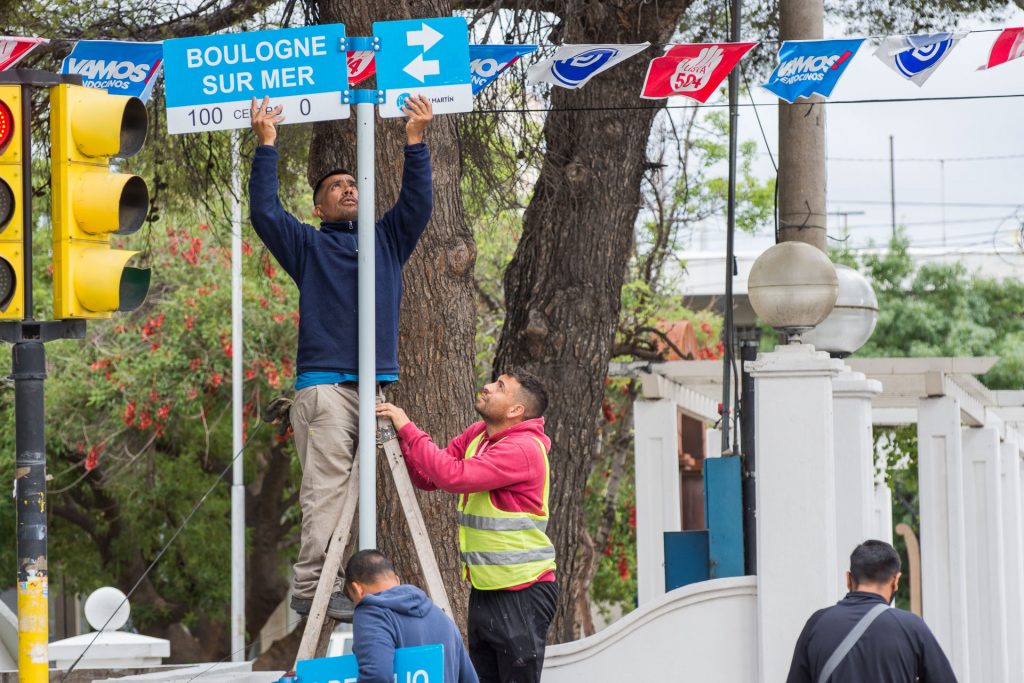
(6, 126)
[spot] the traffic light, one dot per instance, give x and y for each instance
(87, 128)
(12, 246)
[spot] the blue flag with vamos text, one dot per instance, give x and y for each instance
(810, 67)
(120, 68)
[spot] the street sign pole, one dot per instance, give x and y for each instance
(367, 264)
(238, 464)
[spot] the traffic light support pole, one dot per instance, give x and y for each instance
(29, 371)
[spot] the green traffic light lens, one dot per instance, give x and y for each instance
(6, 204)
(6, 284)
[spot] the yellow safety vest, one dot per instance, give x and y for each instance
(503, 549)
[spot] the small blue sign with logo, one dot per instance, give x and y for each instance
(427, 57)
(423, 664)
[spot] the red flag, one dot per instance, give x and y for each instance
(360, 66)
(693, 70)
(1008, 46)
(13, 49)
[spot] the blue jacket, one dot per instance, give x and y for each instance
(323, 264)
(404, 616)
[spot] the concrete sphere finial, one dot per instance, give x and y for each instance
(793, 287)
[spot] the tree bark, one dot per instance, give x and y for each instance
(563, 285)
(438, 319)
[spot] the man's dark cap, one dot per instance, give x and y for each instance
(325, 176)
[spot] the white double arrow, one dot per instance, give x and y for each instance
(426, 38)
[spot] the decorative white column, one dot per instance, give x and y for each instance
(943, 542)
(883, 501)
(855, 464)
(796, 514)
(1013, 533)
(986, 561)
(656, 447)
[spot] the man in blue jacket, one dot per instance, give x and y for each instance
(325, 415)
(862, 639)
(390, 615)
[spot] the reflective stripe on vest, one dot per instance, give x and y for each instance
(510, 557)
(502, 523)
(501, 549)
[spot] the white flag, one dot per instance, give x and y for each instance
(917, 57)
(573, 65)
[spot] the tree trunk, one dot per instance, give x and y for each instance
(563, 285)
(436, 335)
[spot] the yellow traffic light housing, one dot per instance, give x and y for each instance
(87, 128)
(12, 193)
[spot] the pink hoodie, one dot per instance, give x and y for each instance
(509, 464)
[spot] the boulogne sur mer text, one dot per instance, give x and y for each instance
(253, 79)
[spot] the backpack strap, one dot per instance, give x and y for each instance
(849, 641)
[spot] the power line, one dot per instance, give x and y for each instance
(970, 205)
(159, 555)
(994, 157)
(723, 105)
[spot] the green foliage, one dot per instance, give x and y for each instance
(942, 310)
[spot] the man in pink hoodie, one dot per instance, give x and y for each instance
(499, 469)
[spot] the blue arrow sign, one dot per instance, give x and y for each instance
(427, 57)
(210, 80)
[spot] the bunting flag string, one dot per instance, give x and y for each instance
(804, 67)
(917, 57)
(13, 50)
(1008, 46)
(693, 70)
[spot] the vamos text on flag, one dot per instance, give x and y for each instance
(810, 68)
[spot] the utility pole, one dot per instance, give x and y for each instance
(892, 186)
(730, 258)
(802, 215)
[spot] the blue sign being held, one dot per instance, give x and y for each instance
(428, 57)
(422, 664)
(211, 80)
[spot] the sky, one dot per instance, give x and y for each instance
(984, 199)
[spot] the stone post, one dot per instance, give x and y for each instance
(796, 514)
(855, 464)
(986, 560)
(1013, 533)
(943, 541)
(656, 447)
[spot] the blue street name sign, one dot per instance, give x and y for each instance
(427, 57)
(423, 664)
(211, 80)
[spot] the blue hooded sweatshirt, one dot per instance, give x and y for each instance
(404, 616)
(323, 264)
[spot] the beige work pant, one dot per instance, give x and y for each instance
(325, 419)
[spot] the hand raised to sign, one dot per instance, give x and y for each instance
(419, 113)
(264, 120)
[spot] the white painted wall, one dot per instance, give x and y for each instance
(986, 560)
(943, 540)
(703, 632)
(796, 512)
(657, 491)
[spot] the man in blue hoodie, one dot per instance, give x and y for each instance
(325, 415)
(390, 615)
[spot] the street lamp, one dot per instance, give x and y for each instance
(851, 323)
(792, 287)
